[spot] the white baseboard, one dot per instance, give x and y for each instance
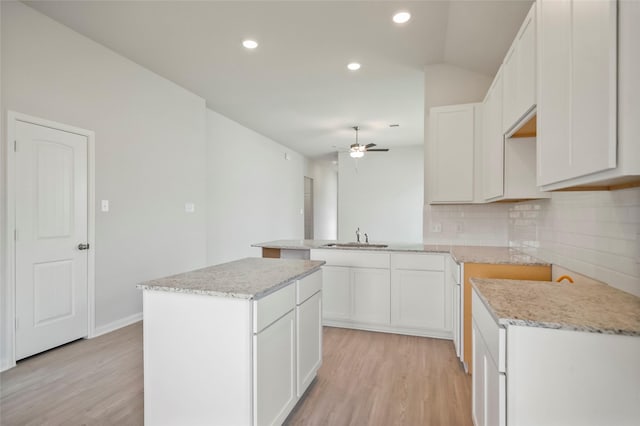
(6, 366)
(112, 326)
(436, 334)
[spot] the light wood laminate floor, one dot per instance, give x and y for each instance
(366, 379)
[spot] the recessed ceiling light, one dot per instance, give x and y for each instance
(354, 66)
(401, 17)
(250, 44)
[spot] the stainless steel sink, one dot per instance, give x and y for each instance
(355, 245)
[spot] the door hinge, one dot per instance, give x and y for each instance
(17, 323)
(15, 146)
(15, 235)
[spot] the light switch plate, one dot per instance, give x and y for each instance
(104, 205)
(189, 207)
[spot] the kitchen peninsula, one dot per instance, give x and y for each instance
(236, 343)
(407, 288)
(558, 353)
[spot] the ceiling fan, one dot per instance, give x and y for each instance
(357, 151)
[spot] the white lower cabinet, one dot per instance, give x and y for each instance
(230, 361)
(309, 341)
(453, 278)
(418, 299)
(370, 289)
(390, 292)
(275, 371)
(489, 402)
(336, 292)
(421, 297)
(532, 376)
(359, 295)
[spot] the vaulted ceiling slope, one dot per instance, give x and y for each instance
(295, 88)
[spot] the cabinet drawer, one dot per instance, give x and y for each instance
(420, 262)
(352, 258)
(493, 335)
(308, 286)
(271, 307)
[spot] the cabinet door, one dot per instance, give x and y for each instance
(309, 341)
(519, 74)
(478, 386)
(577, 83)
(451, 156)
(488, 399)
(510, 88)
(275, 371)
(456, 320)
(336, 293)
(526, 66)
(493, 142)
(418, 299)
(371, 295)
(494, 393)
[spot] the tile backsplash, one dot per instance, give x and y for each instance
(596, 234)
(593, 233)
(468, 224)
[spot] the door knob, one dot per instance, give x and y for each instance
(83, 246)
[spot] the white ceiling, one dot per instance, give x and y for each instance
(295, 88)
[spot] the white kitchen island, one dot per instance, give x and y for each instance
(232, 344)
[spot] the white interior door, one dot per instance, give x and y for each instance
(51, 223)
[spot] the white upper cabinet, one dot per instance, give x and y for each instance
(519, 74)
(508, 164)
(493, 142)
(454, 135)
(578, 88)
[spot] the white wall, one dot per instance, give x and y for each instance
(253, 193)
(150, 151)
(324, 171)
(383, 197)
(593, 233)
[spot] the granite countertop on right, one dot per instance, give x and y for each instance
(590, 307)
(494, 255)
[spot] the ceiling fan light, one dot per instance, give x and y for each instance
(356, 154)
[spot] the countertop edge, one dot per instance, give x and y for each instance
(400, 248)
(234, 295)
(278, 286)
(506, 322)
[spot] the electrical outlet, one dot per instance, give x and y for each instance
(104, 205)
(189, 207)
(436, 227)
(459, 227)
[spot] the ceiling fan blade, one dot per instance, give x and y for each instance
(370, 145)
(378, 150)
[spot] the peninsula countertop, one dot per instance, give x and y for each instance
(590, 307)
(460, 253)
(249, 278)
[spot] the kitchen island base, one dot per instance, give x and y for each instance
(231, 358)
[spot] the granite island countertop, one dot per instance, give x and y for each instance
(249, 278)
(460, 253)
(590, 307)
